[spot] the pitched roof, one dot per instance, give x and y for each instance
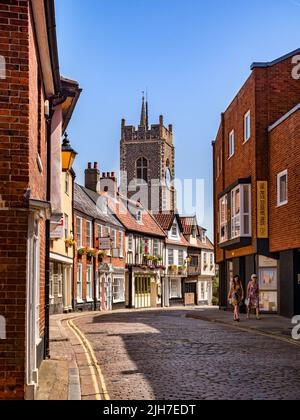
(165, 220)
(181, 242)
(85, 201)
(148, 226)
(187, 224)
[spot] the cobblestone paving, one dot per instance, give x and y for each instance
(164, 356)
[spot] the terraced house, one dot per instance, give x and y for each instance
(33, 110)
(99, 266)
(256, 186)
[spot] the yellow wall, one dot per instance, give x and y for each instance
(59, 246)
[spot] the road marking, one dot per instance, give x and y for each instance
(93, 363)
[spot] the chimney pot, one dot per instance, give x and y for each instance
(89, 165)
(108, 174)
(96, 165)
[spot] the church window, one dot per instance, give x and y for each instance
(142, 170)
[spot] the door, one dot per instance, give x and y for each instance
(142, 291)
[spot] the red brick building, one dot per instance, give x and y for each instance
(255, 145)
(31, 125)
(99, 272)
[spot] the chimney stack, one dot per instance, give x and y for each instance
(109, 184)
(92, 177)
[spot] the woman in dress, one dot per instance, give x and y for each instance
(253, 296)
(236, 296)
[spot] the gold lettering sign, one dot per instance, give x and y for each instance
(262, 210)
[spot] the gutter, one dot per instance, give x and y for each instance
(51, 29)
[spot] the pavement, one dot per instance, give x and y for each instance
(178, 353)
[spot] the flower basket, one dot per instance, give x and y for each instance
(90, 253)
(173, 269)
(81, 252)
(70, 243)
(102, 254)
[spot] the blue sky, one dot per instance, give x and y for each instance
(192, 55)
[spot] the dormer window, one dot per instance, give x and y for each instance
(194, 233)
(174, 230)
(139, 216)
(203, 236)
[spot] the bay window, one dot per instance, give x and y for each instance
(235, 214)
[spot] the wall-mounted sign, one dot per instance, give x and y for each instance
(57, 228)
(104, 244)
(262, 210)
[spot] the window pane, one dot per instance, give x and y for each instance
(283, 189)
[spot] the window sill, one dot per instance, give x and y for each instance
(39, 163)
(89, 300)
(80, 301)
(282, 204)
(246, 141)
(230, 157)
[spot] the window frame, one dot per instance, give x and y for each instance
(282, 174)
(171, 256)
(247, 130)
(119, 297)
(89, 238)
(231, 144)
(79, 232)
(79, 283)
(89, 282)
(142, 166)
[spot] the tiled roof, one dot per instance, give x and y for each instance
(165, 220)
(181, 242)
(148, 226)
(187, 224)
(85, 202)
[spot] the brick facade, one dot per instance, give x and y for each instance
(284, 155)
(269, 93)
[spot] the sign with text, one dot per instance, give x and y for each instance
(57, 229)
(104, 244)
(262, 210)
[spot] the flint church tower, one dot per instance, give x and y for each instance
(148, 163)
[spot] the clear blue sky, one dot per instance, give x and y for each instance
(193, 55)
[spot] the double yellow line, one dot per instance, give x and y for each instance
(99, 384)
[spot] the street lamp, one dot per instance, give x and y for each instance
(68, 154)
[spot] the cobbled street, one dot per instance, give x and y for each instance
(162, 355)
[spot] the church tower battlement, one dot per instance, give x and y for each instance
(147, 157)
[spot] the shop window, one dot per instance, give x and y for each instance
(119, 290)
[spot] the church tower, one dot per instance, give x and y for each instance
(148, 163)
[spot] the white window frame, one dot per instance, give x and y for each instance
(223, 224)
(231, 144)
(89, 283)
(130, 243)
(100, 231)
(79, 283)
(67, 183)
(66, 227)
(242, 214)
(156, 248)
(79, 232)
(174, 231)
(121, 243)
(171, 257)
(114, 238)
(59, 280)
(121, 289)
(279, 177)
(51, 287)
(89, 238)
(247, 126)
(181, 257)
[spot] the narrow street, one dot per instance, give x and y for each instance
(162, 355)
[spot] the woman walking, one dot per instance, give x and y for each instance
(253, 296)
(236, 296)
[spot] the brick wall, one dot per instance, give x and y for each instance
(116, 262)
(18, 172)
(269, 93)
(284, 143)
(14, 180)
